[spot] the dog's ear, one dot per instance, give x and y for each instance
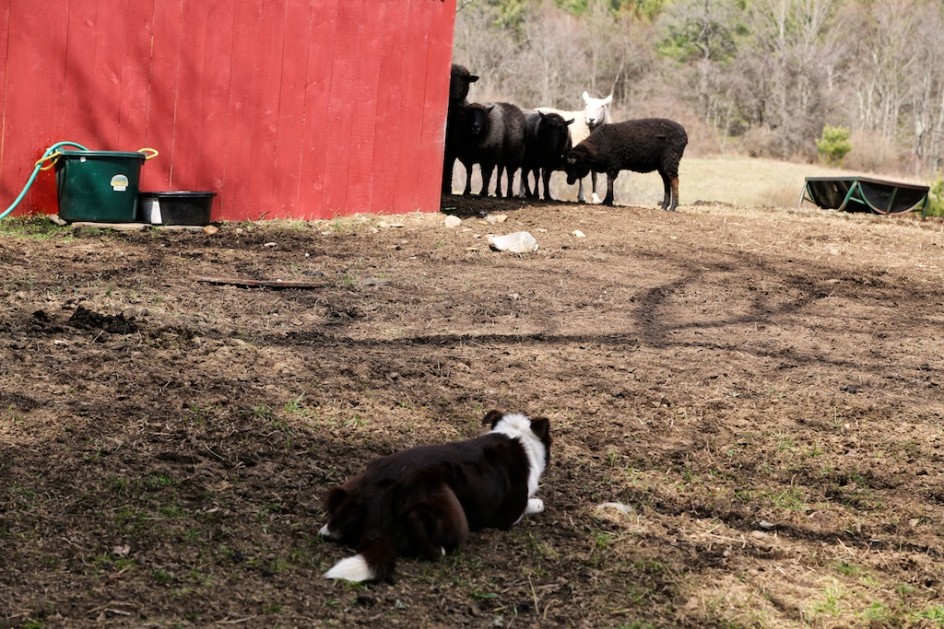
(334, 499)
(541, 427)
(491, 418)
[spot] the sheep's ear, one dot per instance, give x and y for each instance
(543, 116)
(608, 100)
(473, 78)
(568, 121)
(586, 97)
(490, 107)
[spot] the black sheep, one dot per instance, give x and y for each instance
(490, 136)
(459, 81)
(639, 145)
(546, 143)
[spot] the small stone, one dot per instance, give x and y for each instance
(452, 221)
(578, 234)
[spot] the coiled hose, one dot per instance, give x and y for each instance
(52, 153)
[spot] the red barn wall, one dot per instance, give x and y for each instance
(286, 108)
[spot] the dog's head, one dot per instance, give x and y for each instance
(533, 432)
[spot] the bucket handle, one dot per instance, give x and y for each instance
(52, 158)
(149, 153)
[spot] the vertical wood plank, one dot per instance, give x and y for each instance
(372, 45)
(103, 72)
(162, 96)
(189, 150)
(340, 117)
(297, 26)
(215, 113)
(242, 104)
(388, 131)
(316, 127)
(411, 109)
(135, 78)
(264, 125)
(35, 76)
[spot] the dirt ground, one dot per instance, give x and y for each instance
(747, 409)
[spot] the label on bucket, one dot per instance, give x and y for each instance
(119, 183)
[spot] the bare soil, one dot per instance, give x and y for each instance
(747, 408)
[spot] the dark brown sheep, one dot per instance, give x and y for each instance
(546, 143)
(460, 80)
(641, 145)
(491, 135)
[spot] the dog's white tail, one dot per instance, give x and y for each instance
(351, 569)
(375, 561)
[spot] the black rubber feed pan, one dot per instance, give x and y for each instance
(865, 194)
(178, 207)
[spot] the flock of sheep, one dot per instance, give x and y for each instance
(539, 141)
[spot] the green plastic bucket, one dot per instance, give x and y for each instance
(99, 186)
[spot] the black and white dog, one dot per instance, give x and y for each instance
(423, 502)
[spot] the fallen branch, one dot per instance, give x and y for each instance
(248, 283)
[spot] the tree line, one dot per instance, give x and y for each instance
(760, 77)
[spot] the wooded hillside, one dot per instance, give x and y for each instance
(758, 77)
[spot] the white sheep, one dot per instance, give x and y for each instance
(595, 113)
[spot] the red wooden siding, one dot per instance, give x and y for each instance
(286, 108)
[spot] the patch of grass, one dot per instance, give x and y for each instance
(263, 412)
(35, 227)
(830, 604)
(161, 576)
(877, 612)
(934, 613)
(159, 481)
(791, 499)
(849, 570)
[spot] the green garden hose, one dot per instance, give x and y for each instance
(52, 153)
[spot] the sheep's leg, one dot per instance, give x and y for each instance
(675, 194)
(486, 178)
(594, 197)
(448, 165)
(667, 190)
(510, 173)
(546, 175)
(498, 179)
(610, 180)
(524, 190)
(468, 179)
(580, 197)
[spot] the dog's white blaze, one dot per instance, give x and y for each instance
(351, 569)
(518, 426)
(326, 532)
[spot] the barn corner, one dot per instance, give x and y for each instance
(297, 109)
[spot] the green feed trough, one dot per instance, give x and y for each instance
(865, 194)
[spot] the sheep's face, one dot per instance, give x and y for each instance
(553, 127)
(459, 82)
(576, 166)
(594, 110)
(476, 120)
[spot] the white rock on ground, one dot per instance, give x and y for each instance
(517, 242)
